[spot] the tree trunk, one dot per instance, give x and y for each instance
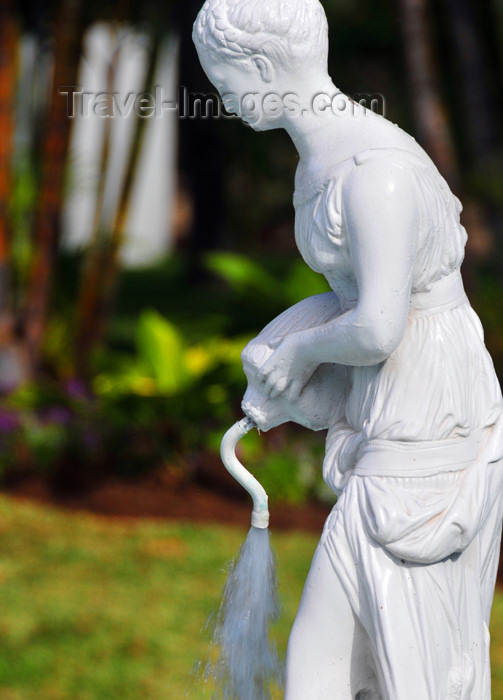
(12, 367)
(474, 74)
(200, 148)
(429, 111)
(67, 40)
(479, 111)
(99, 280)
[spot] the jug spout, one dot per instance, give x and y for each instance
(260, 512)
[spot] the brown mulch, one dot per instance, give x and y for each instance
(145, 498)
(209, 495)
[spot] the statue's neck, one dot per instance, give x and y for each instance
(323, 132)
(325, 120)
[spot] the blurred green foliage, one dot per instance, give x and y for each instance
(247, 277)
(287, 463)
(167, 384)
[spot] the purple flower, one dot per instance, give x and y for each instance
(8, 422)
(91, 439)
(76, 389)
(58, 415)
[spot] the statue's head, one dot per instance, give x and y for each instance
(260, 47)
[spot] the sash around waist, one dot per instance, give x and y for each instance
(447, 292)
(406, 459)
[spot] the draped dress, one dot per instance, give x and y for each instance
(414, 451)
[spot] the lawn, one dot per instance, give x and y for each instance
(107, 609)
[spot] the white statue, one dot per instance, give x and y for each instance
(396, 605)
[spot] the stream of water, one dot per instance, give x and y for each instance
(244, 664)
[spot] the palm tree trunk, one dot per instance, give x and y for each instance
(68, 38)
(12, 368)
(479, 112)
(429, 110)
(99, 280)
(92, 272)
(8, 36)
(200, 150)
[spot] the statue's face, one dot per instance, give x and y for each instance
(242, 89)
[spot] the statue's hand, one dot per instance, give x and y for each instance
(288, 369)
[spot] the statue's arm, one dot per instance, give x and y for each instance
(380, 216)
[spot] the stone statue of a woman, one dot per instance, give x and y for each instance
(396, 605)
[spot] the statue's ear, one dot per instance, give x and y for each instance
(264, 67)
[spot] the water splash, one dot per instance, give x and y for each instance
(247, 662)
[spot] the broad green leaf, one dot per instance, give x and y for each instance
(161, 350)
(242, 273)
(302, 282)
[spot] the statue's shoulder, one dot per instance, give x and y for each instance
(381, 173)
(380, 194)
(383, 166)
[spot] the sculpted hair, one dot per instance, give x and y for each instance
(284, 30)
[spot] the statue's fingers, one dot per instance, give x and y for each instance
(294, 390)
(268, 381)
(274, 342)
(278, 384)
(263, 374)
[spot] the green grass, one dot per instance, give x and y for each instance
(91, 608)
(99, 609)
